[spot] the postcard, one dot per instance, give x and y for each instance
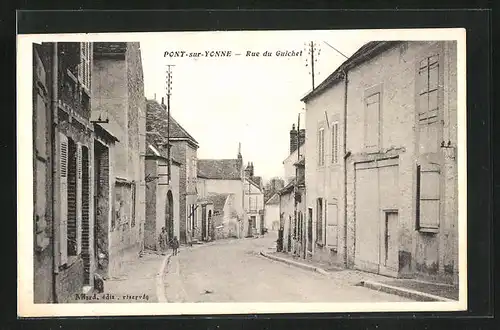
(238, 172)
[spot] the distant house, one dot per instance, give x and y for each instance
(227, 176)
(183, 149)
(224, 220)
(272, 212)
(162, 192)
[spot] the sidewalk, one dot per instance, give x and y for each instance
(137, 285)
(409, 288)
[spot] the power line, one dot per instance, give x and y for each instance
(335, 49)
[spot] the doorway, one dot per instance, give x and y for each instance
(169, 216)
(310, 230)
(211, 233)
(376, 214)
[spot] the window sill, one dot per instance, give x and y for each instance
(431, 230)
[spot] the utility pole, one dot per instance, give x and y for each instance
(312, 48)
(169, 93)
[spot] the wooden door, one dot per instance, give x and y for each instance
(367, 218)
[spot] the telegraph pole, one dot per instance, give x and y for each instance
(313, 50)
(169, 93)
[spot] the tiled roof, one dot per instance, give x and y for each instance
(219, 200)
(222, 169)
(275, 199)
(154, 139)
(366, 52)
(156, 121)
(257, 180)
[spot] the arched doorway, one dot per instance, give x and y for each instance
(169, 216)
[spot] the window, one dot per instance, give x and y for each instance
(372, 121)
(427, 89)
(335, 143)
(321, 147)
(85, 67)
(319, 221)
(428, 201)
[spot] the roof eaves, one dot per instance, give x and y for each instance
(367, 51)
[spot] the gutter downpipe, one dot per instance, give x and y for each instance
(345, 167)
(54, 124)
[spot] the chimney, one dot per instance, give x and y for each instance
(293, 139)
(251, 169)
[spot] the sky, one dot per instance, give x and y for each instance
(252, 100)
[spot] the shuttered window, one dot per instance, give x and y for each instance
(72, 199)
(85, 67)
(85, 237)
(428, 89)
(321, 147)
(63, 220)
(332, 225)
(335, 143)
(428, 197)
(79, 199)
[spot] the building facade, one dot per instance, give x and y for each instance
(272, 212)
(62, 161)
(388, 118)
(162, 193)
(184, 149)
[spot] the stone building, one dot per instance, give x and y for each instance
(62, 162)
(381, 161)
(119, 106)
(229, 176)
(184, 149)
(162, 192)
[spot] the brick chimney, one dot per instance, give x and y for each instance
(293, 139)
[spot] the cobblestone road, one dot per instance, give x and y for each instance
(233, 271)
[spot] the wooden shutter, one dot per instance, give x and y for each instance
(63, 221)
(429, 197)
(335, 143)
(78, 198)
(332, 225)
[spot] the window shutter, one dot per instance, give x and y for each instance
(63, 221)
(79, 199)
(429, 197)
(331, 225)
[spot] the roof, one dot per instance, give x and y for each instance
(219, 200)
(366, 52)
(257, 180)
(153, 142)
(156, 121)
(222, 169)
(288, 188)
(275, 199)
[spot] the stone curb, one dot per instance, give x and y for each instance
(295, 263)
(160, 287)
(402, 292)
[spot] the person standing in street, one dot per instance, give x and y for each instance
(175, 245)
(162, 240)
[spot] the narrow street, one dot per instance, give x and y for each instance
(234, 271)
